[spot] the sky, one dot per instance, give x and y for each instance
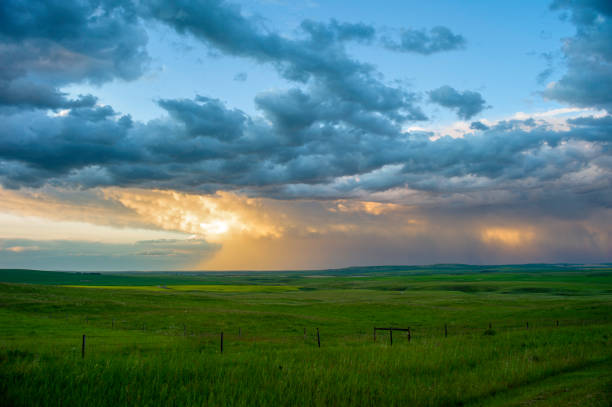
(271, 134)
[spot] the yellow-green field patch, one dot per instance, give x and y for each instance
(210, 288)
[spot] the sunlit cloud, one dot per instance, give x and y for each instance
(226, 230)
(373, 208)
(215, 217)
(507, 236)
(554, 119)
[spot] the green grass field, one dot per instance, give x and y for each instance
(154, 338)
(221, 288)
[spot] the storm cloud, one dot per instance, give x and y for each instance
(588, 78)
(467, 104)
(319, 58)
(438, 39)
(336, 132)
(48, 44)
(478, 126)
(204, 146)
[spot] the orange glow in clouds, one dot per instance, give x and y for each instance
(215, 217)
(263, 233)
(507, 236)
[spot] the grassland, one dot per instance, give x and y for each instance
(153, 338)
(221, 288)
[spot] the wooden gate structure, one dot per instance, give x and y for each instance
(407, 330)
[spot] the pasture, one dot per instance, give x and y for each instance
(154, 338)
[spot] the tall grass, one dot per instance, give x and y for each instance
(428, 372)
(162, 349)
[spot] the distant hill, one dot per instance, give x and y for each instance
(211, 277)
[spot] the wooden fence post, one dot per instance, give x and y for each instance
(318, 338)
(527, 324)
(557, 322)
(390, 337)
(83, 348)
(409, 334)
(221, 341)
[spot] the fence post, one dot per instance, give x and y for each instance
(409, 334)
(390, 337)
(527, 324)
(221, 341)
(557, 322)
(83, 348)
(113, 323)
(445, 331)
(318, 338)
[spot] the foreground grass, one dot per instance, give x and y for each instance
(588, 385)
(455, 371)
(161, 347)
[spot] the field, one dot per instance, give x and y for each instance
(195, 287)
(536, 335)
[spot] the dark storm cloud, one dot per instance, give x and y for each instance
(206, 117)
(588, 54)
(336, 133)
(23, 94)
(438, 39)
(467, 104)
(478, 126)
(327, 34)
(319, 58)
(58, 145)
(322, 157)
(48, 44)
(294, 111)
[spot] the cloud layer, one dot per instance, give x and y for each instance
(467, 104)
(48, 44)
(263, 233)
(337, 133)
(588, 79)
(83, 255)
(438, 39)
(204, 146)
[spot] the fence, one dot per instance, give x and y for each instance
(245, 339)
